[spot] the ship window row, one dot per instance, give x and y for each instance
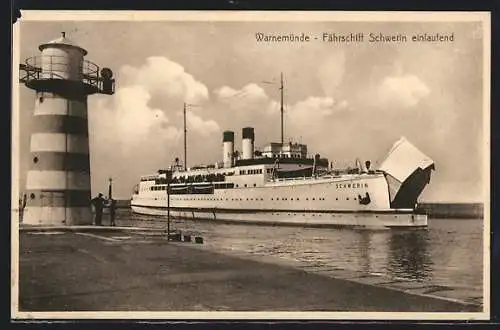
(251, 171)
(246, 185)
(255, 199)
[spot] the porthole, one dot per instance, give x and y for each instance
(32, 196)
(35, 160)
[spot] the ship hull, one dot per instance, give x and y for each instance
(310, 218)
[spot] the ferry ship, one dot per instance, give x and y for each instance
(283, 185)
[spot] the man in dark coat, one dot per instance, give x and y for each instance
(98, 203)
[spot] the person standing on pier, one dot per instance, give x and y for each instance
(112, 207)
(98, 203)
(22, 206)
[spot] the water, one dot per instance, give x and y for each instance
(448, 253)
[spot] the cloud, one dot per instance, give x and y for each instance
(331, 72)
(161, 75)
(249, 93)
(201, 126)
(402, 91)
(314, 109)
(128, 121)
(131, 121)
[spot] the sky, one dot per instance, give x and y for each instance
(344, 100)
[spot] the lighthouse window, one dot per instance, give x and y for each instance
(35, 160)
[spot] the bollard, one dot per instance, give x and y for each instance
(176, 237)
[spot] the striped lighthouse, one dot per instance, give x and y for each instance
(58, 181)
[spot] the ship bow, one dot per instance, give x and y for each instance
(407, 171)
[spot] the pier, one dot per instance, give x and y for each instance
(136, 269)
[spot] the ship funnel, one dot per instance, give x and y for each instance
(247, 144)
(228, 148)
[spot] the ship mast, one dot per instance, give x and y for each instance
(281, 107)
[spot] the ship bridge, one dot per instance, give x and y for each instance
(286, 150)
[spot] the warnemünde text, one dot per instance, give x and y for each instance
(358, 37)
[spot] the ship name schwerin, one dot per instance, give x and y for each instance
(282, 185)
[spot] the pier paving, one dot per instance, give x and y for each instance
(115, 269)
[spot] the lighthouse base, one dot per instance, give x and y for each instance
(57, 216)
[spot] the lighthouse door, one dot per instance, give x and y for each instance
(53, 207)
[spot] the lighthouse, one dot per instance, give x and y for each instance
(58, 180)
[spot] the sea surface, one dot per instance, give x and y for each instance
(448, 253)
